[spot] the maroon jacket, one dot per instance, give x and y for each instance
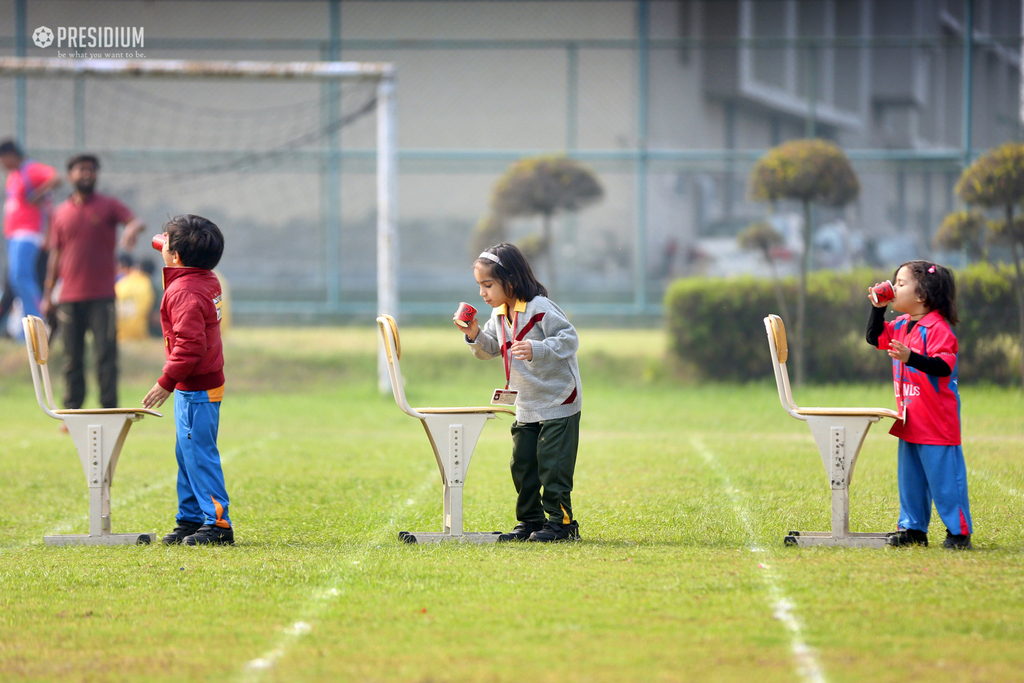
(190, 318)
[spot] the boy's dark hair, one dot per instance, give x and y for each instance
(513, 271)
(84, 158)
(125, 260)
(9, 146)
(936, 285)
(197, 240)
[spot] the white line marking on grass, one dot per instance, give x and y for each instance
(977, 474)
(254, 669)
(292, 633)
(783, 608)
(132, 495)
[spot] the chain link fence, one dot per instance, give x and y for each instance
(669, 103)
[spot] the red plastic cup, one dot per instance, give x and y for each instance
(882, 292)
(464, 315)
(158, 242)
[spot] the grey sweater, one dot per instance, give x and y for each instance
(549, 385)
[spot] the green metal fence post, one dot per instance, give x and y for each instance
(20, 37)
(643, 88)
(332, 213)
(968, 76)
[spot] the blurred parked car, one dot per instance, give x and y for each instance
(891, 250)
(717, 253)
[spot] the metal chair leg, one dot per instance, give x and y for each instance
(453, 453)
(99, 439)
(839, 439)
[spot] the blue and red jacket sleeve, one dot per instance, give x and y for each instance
(942, 343)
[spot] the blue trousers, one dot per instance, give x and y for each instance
(929, 473)
(202, 495)
(22, 257)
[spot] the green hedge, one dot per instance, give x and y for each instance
(717, 326)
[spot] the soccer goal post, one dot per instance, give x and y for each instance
(259, 145)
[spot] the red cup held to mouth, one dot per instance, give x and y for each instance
(158, 242)
(882, 292)
(464, 315)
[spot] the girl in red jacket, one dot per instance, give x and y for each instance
(924, 350)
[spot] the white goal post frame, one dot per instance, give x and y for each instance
(387, 154)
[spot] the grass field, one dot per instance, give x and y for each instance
(684, 491)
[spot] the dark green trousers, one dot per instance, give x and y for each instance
(543, 462)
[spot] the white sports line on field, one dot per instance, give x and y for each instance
(978, 474)
(254, 669)
(783, 608)
(121, 501)
(137, 493)
(124, 498)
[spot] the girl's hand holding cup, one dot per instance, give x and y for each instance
(465, 320)
(881, 294)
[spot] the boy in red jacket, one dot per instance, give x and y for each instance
(190, 317)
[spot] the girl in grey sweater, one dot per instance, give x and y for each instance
(537, 344)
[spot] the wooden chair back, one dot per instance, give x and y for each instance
(38, 346)
(779, 348)
(393, 351)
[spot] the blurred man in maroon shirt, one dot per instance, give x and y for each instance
(83, 237)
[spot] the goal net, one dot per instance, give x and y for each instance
(295, 161)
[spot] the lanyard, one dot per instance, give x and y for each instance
(506, 351)
(900, 399)
(899, 391)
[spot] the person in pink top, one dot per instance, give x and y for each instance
(923, 350)
(83, 257)
(26, 215)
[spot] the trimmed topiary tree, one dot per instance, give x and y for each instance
(762, 237)
(543, 186)
(996, 181)
(489, 230)
(811, 172)
(963, 230)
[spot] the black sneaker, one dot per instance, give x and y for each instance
(907, 537)
(208, 534)
(521, 532)
(957, 541)
(553, 531)
(181, 532)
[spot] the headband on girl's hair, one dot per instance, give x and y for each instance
(492, 257)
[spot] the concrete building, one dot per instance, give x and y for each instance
(669, 101)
